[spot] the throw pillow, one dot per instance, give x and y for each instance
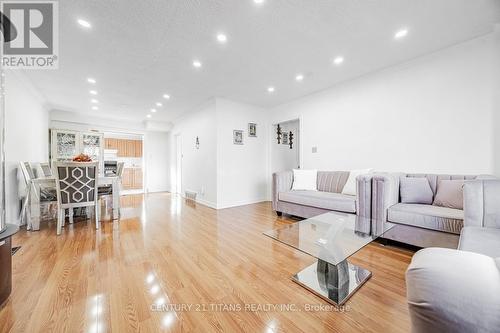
(350, 185)
(415, 190)
(305, 180)
(450, 193)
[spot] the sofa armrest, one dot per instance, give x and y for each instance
(453, 291)
(282, 181)
(364, 195)
(481, 198)
(385, 193)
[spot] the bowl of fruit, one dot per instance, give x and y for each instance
(82, 158)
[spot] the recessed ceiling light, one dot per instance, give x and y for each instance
(270, 89)
(299, 77)
(401, 34)
(93, 100)
(338, 60)
(93, 92)
(197, 63)
(158, 104)
(153, 110)
(221, 38)
(258, 1)
(95, 108)
(84, 23)
(91, 80)
(149, 116)
(166, 96)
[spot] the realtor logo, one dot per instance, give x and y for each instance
(30, 39)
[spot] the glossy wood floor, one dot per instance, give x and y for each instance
(193, 263)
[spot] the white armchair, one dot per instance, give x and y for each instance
(459, 290)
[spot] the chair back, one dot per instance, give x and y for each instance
(119, 169)
(27, 171)
(76, 183)
(47, 171)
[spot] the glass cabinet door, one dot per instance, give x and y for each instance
(66, 146)
(91, 145)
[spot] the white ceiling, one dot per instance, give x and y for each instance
(138, 50)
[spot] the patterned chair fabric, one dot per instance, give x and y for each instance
(77, 183)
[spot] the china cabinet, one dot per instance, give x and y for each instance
(67, 144)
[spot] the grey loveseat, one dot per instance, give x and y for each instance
(417, 224)
(459, 290)
(328, 197)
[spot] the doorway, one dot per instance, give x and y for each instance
(285, 155)
(178, 164)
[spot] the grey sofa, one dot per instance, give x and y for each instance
(328, 197)
(459, 290)
(416, 224)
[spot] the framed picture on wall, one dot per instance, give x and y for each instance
(238, 137)
(284, 138)
(252, 130)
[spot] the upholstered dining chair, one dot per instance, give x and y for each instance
(76, 184)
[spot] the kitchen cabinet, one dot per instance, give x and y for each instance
(124, 147)
(132, 178)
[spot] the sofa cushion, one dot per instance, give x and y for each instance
(415, 190)
(427, 216)
(450, 193)
(480, 240)
(305, 180)
(319, 199)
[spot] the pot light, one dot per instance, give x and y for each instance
(221, 38)
(149, 116)
(258, 2)
(95, 108)
(91, 80)
(401, 34)
(93, 100)
(299, 77)
(153, 110)
(196, 63)
(93, 92)
(166, 96)
(270, 89)
(158, 104)
(338, 60)
(84, 23)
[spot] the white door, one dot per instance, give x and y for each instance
(178, 174)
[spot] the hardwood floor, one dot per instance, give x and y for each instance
(194, 260)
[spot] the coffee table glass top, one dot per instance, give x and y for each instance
(332, 237)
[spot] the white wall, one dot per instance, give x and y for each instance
(26, 136)
(432, 114)
(282, 157)
(242, 170)
(199, 166)
(157, 159)
(496, 99)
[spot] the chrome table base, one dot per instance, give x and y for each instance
(333, 283)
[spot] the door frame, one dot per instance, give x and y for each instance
(178, 163)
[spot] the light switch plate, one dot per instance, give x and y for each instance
(314, 150)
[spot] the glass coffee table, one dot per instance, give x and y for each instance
(331, 238)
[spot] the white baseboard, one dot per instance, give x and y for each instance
(242, 203)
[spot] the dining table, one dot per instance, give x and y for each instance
(50, 183)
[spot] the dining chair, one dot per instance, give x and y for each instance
(46, 195)
(47, 171)
(76, 184)
(28, 176)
